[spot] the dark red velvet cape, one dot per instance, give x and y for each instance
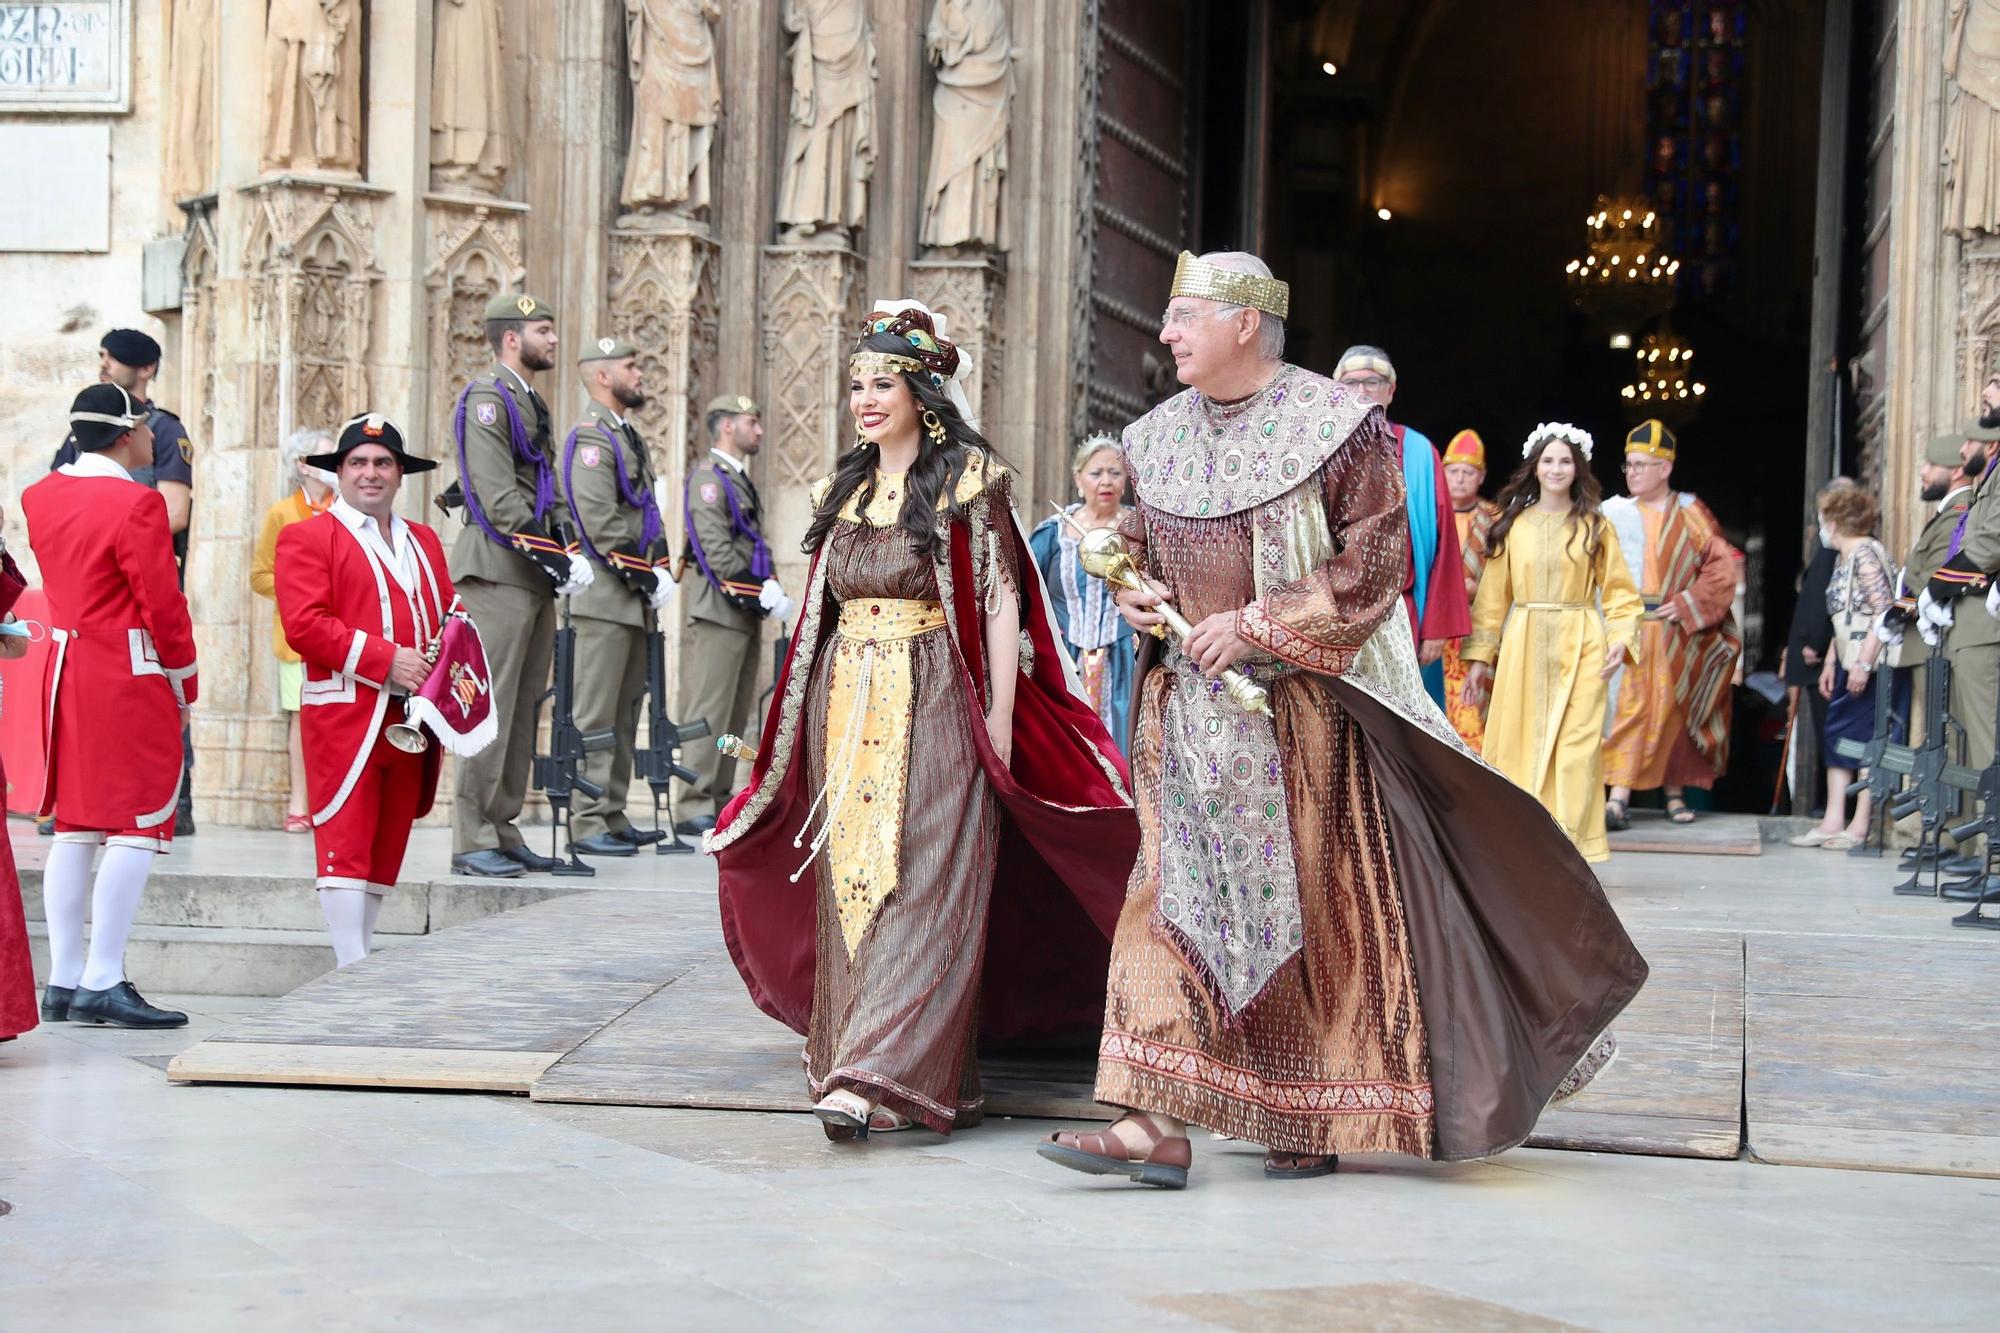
(17, 972)
(1067, 842)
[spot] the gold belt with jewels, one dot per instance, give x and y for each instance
(1555, 606)
(886, 619)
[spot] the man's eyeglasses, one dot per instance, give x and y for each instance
(1369, 383)
(1643, 464)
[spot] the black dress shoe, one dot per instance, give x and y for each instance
(487, 864)
(122, 1007)
(640, 837)
(528, 860)
(605, 844)
(56, 1001)
(184, 828)
(1962, 865)
(46, 827)
(694, 828)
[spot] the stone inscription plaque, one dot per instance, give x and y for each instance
(66, 56)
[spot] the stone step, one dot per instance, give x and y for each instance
(288, 902)
(206, 960)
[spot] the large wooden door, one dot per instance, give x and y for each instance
(1136, 208)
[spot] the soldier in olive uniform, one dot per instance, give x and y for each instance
(1955, 595)
(726, 547)
(609, 483)
(509, 564)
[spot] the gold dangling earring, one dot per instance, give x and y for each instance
(934, 427)
(860, 443)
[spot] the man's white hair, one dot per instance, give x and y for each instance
(1270, 329)
(298, 446)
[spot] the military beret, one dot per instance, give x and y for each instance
(1943, 450)
(370, 428)
(518, 305)
(732, 403)
(1983, 434)
(129, 347)
(607, 349)
(100, 414)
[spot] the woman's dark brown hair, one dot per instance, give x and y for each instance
(1524, 489)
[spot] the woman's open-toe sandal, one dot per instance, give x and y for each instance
(1162, 1163)
(844, 1115)
(1679, 812)
(1616, 818)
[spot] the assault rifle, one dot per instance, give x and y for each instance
(659, 763)
(559, 773)
(1926, 764)
(1982, 886)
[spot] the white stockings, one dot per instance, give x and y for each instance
(67, 892)
(350, 917)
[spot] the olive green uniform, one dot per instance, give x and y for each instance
(1973, 641)
(613, 619)
(512, 602)
(718, 657)
(1927, 553)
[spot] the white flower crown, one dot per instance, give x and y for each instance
(1577, 436)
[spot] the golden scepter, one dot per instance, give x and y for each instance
(1102, 553)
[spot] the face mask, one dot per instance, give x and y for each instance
(1826, 534)
(325, 478)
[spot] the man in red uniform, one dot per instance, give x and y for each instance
(119, 682)
(362, 592)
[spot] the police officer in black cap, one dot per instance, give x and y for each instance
(130, 359)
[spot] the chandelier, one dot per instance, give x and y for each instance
(1663, 384)
(1627, 277)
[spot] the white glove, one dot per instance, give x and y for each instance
(1933, 613)
(581, 576)
(772, 598)
(663, 591)
(1930, 633)
(1993, 601)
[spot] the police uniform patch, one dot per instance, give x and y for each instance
(709, 493)
(588, 455)
(488, 413)
(187, 450)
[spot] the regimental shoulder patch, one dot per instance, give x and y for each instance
(187, 450)
(488, 413)
(710, 493)
(589, 455)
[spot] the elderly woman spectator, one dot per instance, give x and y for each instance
(1858, 592)
(308, 491)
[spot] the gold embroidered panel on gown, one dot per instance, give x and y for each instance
(904, 883)
(1332, 1055)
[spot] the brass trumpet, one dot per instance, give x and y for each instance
(406, 735)
(1102, 553)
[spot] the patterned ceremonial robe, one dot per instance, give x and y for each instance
(1673, 701)
(1473, 525)
(123, 663)
(17, 967)
(1344, 932)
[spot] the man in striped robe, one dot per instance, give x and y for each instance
(1673, 702)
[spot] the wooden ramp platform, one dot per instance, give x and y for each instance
(1709, 835)
(1874, 1053)
(627, 998)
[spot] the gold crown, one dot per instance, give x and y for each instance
(1197, 277)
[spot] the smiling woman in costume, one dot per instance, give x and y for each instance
(925, 737)
(1558, 613)
(1097, 636)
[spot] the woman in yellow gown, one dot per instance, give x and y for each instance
(1557, 611)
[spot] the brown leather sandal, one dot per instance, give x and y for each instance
(1298, 1165)
(1164, 1165)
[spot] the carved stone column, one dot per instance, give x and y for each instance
(813, 305)
(473, 254)
(970, 294)
(310, 272)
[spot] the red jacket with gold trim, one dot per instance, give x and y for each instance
(345, 612)
(122, 661)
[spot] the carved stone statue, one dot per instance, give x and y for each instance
(191, 100)
(830, 146)
(676, 101)
(1972, 116)
(312, 86)
(469, 141)
(968, 42)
